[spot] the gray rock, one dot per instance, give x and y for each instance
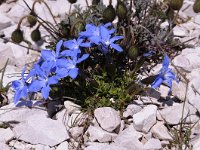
(6, 135)
(42, 147)
(47, 131)
(179, 90)
(172, 114)
(131, 110)
(180, 31)
(75, 132)
(195, 143)
(104, 146)
(33, 126)
(5, 54)
(16, 12)
(71, 107)
(76, 119)
(153, 144)
(63, 146)
(108, 118)
(150, 96)
(3, 146)
(145, 119)
(97, 134)
(5, 21)
(128, 139)
(194, 89)
(188, 60)
(159, 131)
(18, 145)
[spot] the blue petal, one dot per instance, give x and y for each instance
(47, 66)
(52, 80)
(108, 24)
(157, 82)
(84, 57)
(61, 62)
(58, 47)
(35, 86)
(48, 55)
(73, 73)
(70, 44)
(104, 33)
(116, 47)
(95, 39)
(166, 61)
(24, 92)
(17, 96)
(45, 91)
(62, 72)
(17, 84)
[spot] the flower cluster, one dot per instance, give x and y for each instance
(165, 76)
(55, 65)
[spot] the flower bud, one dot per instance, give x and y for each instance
(72, 1)
(121, 10)
(176, 4)
(133, 52)
(109, 14)
(36, 35)
(196, 6)
(32, 20)
(17, 36)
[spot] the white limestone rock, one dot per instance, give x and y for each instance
(5, 21)
(63, 146)
(6, 135)
(179, 90)
(108, 118)
(194, 89)
(145, 119)
(97, 134)
(71, 107)
(131, 109)
(75, 132)
(159, 131)
(128, 139)
(173, 114)
(153, 144)
(188, 60)
(33, 126)
(4, 146)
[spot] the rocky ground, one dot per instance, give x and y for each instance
(144, 125)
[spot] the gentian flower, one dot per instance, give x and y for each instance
(70, 66)
(107, 41)
(76, 44)
(165, 76)
(20, 87)
(52, 59)
(93, 32)
(42, 82)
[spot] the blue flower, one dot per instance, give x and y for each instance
(70, 68)
(165, 76)
(76, 44)
(20, 87)
(93, 32)
(43, 82)
(107, 41)
(52, 59)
